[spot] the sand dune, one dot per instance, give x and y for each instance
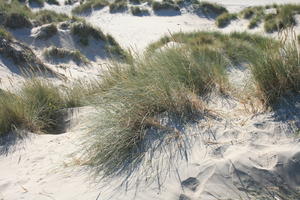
(242, 152)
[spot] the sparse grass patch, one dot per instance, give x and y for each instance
(5, 34)
(165, 4)
(17, 15)
(15, 6)
(282, 19)
(47, 31)
(225, 19)
(84, 31)
(251, 12)
(15, 20)
(135, 10)
(55, 52)
(90, 4)
(236, 46)
(273, 21)
(210, 9)
(48, 16)
(118, 6)
(254, 22)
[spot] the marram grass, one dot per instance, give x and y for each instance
(171, 82)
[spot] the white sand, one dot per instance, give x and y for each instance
(239, 152)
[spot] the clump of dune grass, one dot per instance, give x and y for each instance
(84, 31)
(81, 93)
(15, 20)
(35, 107)
(235, 46)
(252, 12)
(209, 9)
(5, 34)
(14, 6)
(248, 13)
(225, 19)
(165, 4)
(52, 2)
(282, 19)
(254, 22)
(170, 82)
(55, 52)
(135, 10)
(114, 49)
(47, 31)
(89, 5)
(48, 16)
(117, 6)
(13, 113)
(18, 15)
(131, 96)
(276, 70)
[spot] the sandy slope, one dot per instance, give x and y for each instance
(45, 166)
(237, 155)
(240, 154)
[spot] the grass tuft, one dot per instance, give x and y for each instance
(118, 6)
(48, 16)
(5, 34)
(254, 22)
(47, 31)
(209, 9)
(89, 5)
(165, 4)
(18, 15)
(135, 10)
(36, 107)
(282, 19)
(276, 70)
(15, 20)
(55, 52)
(225, 19)
(84, 31)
